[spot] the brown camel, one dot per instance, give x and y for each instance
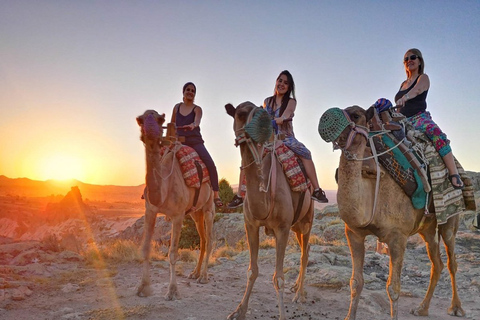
(276, 214)
(167, 193)
(393, 221)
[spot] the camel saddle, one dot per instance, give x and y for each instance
(193, 169)
(292, 168)
(396, 156)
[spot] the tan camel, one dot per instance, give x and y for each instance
(167, 193)
(393, 222)
(277, 215)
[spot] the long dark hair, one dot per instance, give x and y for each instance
(289, 94)
(187, 84)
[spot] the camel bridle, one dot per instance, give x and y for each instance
(256, 150)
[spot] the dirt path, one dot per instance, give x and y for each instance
(74, 291)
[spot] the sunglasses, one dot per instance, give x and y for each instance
(412, 57)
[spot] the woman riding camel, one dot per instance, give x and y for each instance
(187, 116)
(281, 107)
(412, 99)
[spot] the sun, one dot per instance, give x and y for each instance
(62, 167)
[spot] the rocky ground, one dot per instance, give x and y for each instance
(39, 280)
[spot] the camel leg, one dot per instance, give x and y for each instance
(281, 237)
(397, 252)
(357, 251)
(300, 294)
(448, 232)
(144, 288)
(209, 216)
(173, 293)
(198, 218)
(207, 243)
(252, 273)
(431, 239)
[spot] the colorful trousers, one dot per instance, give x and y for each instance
(423, 122)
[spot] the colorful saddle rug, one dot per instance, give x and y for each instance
(189, 161)
(398, 166)
(291, 167)
(447, 201)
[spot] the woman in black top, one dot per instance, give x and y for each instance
(412, 99)
(187, 116)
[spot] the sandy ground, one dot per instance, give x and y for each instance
(76, 291)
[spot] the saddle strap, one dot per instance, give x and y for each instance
(299, 207)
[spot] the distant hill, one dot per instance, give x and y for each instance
(34, 188)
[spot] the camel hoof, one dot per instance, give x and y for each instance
(172, 295)
(456, 311)
(193, 275)
(419, 311)
(236, 315)
(144, 291)
(202, 280)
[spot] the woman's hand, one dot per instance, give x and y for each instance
(402, 100)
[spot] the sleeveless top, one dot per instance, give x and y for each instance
(191, 136)
(287, 129)
(415, 105)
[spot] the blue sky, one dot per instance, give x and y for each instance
(75, 74)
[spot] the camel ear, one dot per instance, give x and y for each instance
(370, 113)
(140, 120)
(230, 109)
(161, 119)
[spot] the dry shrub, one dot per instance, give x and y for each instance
(187, 255)
(52, 243)
(122, 251)
(268, 243)
(316, 240)
(226, 252)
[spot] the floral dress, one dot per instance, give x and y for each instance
(287, 129)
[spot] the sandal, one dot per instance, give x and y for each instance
(458, 181)
(218, 202)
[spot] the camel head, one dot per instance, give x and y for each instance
(151, 123)
(341, 126)
(250, 122)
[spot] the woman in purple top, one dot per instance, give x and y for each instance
(187, 116)
(412, 97)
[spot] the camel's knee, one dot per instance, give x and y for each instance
(356, 287)
(252, 274)
(393, 293)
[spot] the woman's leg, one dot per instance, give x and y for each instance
(425, 123)
(237, 200)
(318, 194)
(212, 169)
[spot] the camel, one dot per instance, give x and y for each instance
(276, 214)
(393, 221)
(167, 193)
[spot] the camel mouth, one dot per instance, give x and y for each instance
(332, 123)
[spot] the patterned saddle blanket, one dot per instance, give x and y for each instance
(291, 167)
(190, 164)
(418, 168)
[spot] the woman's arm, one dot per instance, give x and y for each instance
(423, 84)
(198, 117)
(288, 113)
(174, 113)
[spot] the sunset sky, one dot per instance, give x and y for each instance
(75, 74)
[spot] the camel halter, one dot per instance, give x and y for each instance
(242, 136)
